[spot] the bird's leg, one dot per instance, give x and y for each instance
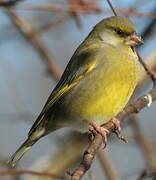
(116, 123)
(94, 128)
(117, 129)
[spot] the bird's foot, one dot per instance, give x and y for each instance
(117, 129)
(94, 129)
(116, 123)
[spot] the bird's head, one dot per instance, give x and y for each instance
(117, 30)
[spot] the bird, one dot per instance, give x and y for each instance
(96, 85)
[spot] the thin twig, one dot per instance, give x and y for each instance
(7, 166)
(53, 24)
(147, 69)
(147, 32)
(87, 158)
(112, 8)
(3, 163)
(76, 15)
(148, 174)
(20, 171)
(34, 38)
(130, 12)
(144, 79)
(86, 8)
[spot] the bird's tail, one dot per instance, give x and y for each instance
(32, 139)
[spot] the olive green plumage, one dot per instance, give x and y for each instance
(96, 84)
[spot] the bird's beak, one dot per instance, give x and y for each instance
(134, 40)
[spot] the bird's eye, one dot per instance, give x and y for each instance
(119, 32)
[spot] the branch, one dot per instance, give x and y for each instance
(34, 38)
(76, 15)
(87, 158)
(148, 174)
(20, 171)
(53, 24)
(148, 31)
(147, 69)
(89, 7)
(112, 8)
(70, 150)
(85, 8)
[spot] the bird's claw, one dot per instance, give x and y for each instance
(116, 124)
(94, 129)
(117, 130)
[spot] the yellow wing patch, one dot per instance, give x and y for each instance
(67, 87)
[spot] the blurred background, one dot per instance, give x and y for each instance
(37, 39)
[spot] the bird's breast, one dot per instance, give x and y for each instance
(105, 91)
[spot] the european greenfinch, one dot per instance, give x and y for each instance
(96, 84)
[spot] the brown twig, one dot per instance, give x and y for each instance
(147, 69)
(34, 38)
(112, 8)
(148, 174)
(85, 8)
(76, 15)
(20, 171)
(82, 5)
(53, 24)
(144, 77)
(3, 163)
(130, 12)
(87, 158)
(147, 32)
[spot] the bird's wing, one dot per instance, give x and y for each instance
(78, 67)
